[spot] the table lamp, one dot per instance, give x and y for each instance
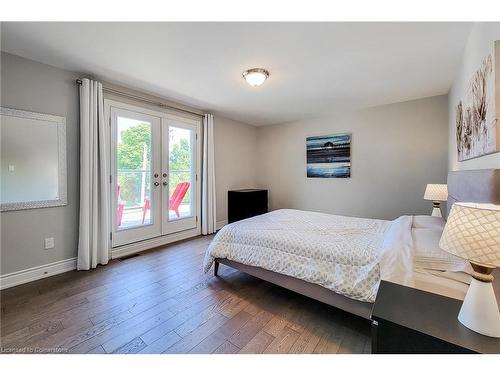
(436, 193)
(473, 232)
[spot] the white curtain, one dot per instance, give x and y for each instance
(208, 214)
(94, 178)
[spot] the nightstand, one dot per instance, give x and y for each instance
(246, 203)
(407, 320)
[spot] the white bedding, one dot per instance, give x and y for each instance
(344, 254)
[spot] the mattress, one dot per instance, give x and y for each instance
(347, 255)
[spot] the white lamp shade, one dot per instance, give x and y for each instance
(256, 76)
(436, 192)
(473, 232)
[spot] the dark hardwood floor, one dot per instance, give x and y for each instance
(162, 302)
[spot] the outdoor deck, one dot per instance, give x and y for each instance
(133, 217)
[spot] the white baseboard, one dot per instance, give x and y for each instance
(220, 224)
(133, 248)
(36, 273)
(40, 272)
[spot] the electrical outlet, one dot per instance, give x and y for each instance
(49, 243)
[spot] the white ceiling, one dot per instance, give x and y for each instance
(316, 68)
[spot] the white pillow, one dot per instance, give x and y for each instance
(428, 255)
(429, 222)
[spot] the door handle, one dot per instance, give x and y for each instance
(165, 183)
(157, 183)
(156, 175)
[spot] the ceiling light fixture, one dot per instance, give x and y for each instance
(255, 76)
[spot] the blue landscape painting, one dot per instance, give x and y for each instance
(329, 156)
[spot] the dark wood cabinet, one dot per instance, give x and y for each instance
(245, 203)
(407, 320)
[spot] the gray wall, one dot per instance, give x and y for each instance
(396, 150)
(480, 43)
(235, 159)
(36, 87)
(235, 148)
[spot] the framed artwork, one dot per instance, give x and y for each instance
(477, 127)
(329, 156)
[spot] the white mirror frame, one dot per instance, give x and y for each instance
(61, 144)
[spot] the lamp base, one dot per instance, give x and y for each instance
(436, 210)
(479, 311)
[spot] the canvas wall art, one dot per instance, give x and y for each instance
(476, 119)
(329, 156)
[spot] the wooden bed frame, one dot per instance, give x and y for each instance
(480, 186)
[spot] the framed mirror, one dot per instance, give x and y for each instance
(33, 160)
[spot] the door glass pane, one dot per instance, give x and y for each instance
(181, 174)
(133, 189)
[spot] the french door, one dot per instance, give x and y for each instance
(154, 173)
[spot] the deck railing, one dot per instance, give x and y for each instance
(135, 185)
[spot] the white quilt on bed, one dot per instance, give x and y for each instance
(345, 254)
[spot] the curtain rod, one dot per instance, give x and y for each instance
(135, 97)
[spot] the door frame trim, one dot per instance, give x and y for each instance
(195, 128)
(136, 247)
(121, 237)
(165, 115)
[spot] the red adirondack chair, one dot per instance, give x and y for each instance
(176, 199)
(173, 203)
(121, 206)
(147, 206)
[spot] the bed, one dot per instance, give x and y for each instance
(341, 260)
